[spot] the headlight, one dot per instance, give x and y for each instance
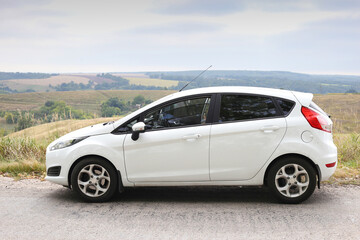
(66, 143)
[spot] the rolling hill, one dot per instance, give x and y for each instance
(86, 100)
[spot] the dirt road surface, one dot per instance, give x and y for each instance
(31, 209)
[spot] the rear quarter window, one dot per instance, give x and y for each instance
(285, 105)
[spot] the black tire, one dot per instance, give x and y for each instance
(290, 187)
(94, 171)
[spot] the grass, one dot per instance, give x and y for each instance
(22, 154)
(344, 110)
(21, 157)
(50, 131)
(348, 170)
(6, 126)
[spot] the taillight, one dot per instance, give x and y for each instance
(316, 120)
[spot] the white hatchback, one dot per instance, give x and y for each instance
(237, 136)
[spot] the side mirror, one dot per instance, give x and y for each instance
(137, 128)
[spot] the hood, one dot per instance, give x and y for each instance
(97, 129)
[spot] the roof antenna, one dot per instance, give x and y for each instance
(195, 78)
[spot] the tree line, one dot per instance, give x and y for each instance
(20, 75)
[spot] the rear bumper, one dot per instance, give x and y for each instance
(327, 172)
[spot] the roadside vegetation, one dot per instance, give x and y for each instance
(22, 154)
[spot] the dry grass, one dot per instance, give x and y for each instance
(348, 149)
(53, 80)
(23, 87)
(344, 110)
(50, 131)
(126, 75)
(42, 84)
(22, 154)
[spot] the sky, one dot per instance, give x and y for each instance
(63, 36)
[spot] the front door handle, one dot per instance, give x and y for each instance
(192, 137)
(269, 129)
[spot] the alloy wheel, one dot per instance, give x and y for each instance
(93, 180)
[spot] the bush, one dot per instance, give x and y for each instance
(138, 100)
(113, 106)
(9, 118)
(26, 120)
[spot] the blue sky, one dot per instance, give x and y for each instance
(317, 36)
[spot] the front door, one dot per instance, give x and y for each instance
(175, 146)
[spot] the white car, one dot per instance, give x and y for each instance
(237, 136)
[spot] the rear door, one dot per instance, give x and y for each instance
(246, 131)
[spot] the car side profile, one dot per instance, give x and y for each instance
(230, 136)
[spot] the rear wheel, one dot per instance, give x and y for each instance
(94, 179)
(292, 180)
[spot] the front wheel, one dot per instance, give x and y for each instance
(292, 180)
(94, 179)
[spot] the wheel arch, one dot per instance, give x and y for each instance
(316, 167)
(120, 184)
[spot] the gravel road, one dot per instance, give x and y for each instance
(31, 209)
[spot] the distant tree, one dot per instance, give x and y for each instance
(19, 75)
(138, 100)
(112, 107)
(29, 90)
(351, 91)
(26, 120)
(9, 118)
(49, 103)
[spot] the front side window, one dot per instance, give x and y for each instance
(182, 113)
(244, 107)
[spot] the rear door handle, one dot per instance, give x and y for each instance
(269, 129)
(192, 137)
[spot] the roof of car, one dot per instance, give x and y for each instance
(235, 89)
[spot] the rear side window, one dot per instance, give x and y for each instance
(244, 107)
(285, 105)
